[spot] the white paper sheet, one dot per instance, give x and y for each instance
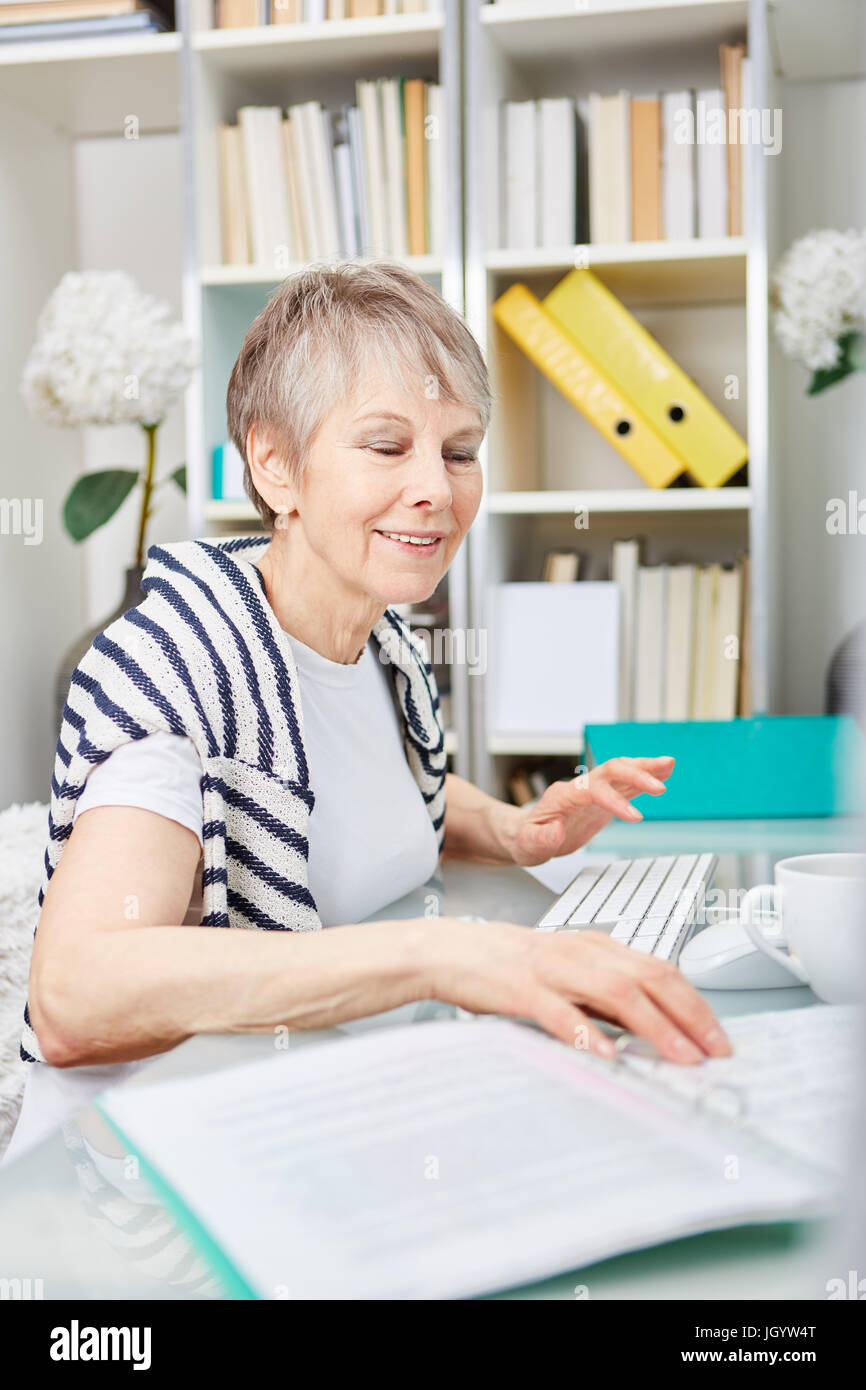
(793, 1078)
(440, 1160)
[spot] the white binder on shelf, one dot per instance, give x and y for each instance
(553, 656)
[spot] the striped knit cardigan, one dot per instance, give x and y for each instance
(204, 656)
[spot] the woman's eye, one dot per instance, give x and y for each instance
(391, 449)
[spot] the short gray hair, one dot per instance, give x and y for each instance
(320, 331)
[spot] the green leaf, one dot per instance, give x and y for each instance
(828, 377)
(852, 358)
(857, 351)
(95, 498)
(179, 477)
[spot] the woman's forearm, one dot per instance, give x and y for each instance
(477, 826)
(115, 993)
(125, 993)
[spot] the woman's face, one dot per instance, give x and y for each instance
(384, 465)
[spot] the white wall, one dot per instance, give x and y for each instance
(129, 217)
(109, 204)
(41, 588)
(822, 578)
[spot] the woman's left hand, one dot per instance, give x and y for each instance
(570, 813)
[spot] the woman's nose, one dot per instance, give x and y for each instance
(429, 481)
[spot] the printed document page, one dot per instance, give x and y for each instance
(443, 1159)
(793, 1078)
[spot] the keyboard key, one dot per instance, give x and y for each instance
(619, 899)
(560, 911)
(641, 901)
(664, 947)
(683, 914)
(650, 926)
(592, 903)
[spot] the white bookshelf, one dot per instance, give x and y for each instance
(428, 266)
(537, 29)
(326, 48)
(622, 501)
(704, 299)
(59, 92)
(283, 65)
(634, 503)
(670, 272)
(534, 745)
(87, 87)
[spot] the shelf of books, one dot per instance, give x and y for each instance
(329, 131)
(615, 275)
(89, 70)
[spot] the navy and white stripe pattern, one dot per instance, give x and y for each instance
(204, 656)
(129, 1217)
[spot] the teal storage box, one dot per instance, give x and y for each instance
(772, 765)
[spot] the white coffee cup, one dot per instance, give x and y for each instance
(819, 908)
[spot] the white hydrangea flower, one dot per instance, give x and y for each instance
(819, 293)
(106, 354)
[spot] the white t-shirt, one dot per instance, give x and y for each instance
(370, 836)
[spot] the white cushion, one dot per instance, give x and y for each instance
(23, 837)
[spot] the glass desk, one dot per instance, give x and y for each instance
(75, 1216)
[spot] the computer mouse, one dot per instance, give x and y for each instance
(723, 957)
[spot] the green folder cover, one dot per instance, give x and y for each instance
(768, 766)
(212, 1253)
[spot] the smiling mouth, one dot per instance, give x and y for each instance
(419, 544)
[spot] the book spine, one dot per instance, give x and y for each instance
(371, 123)
(359, 180)
(416, 201)
(345, 199)
(646, 221)
(434, 133)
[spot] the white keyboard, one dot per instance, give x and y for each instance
(647, 904)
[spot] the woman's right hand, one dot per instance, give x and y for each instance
(503, 968)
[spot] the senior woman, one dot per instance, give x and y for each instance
(255, 752)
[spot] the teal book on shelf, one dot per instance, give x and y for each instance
(767, 766)
(227, 473)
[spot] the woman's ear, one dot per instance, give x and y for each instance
(268, 470)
